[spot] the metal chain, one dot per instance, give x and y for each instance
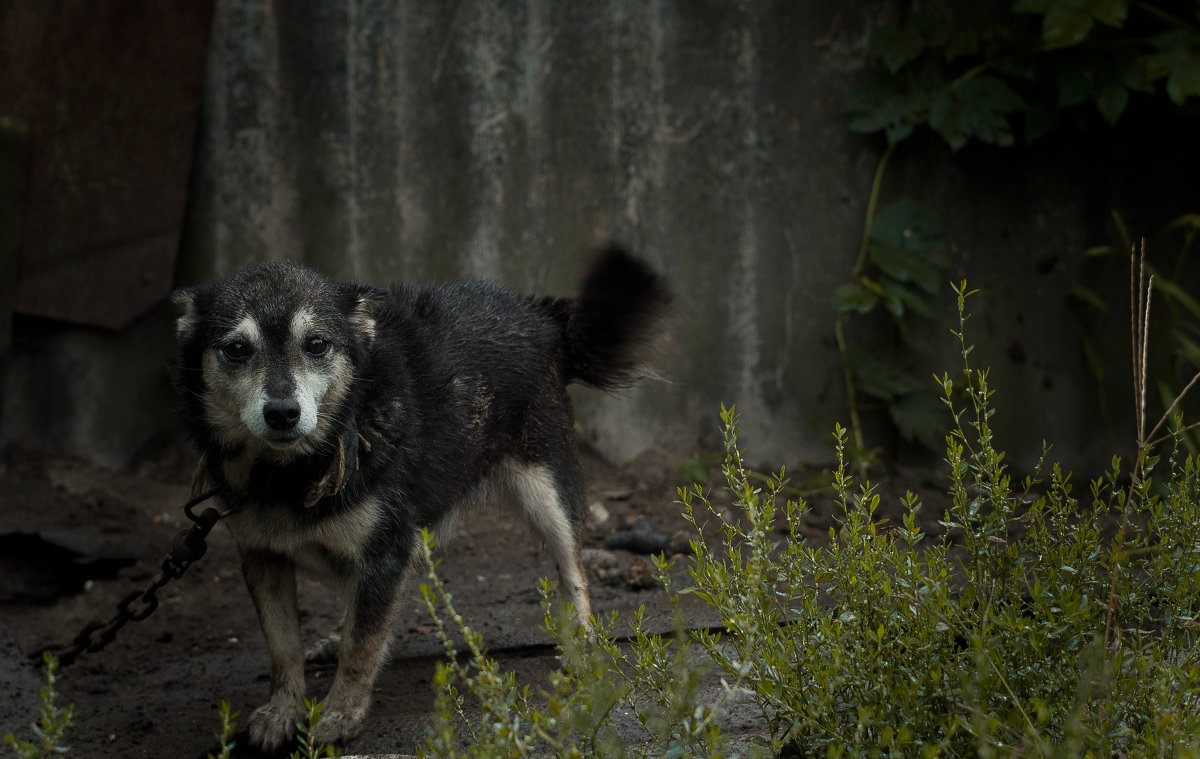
(187, 548)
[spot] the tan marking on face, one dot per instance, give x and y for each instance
(341, 376)
(231, 388)
(236, 393)
(322, 382)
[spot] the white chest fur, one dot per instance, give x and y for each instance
(310, 544)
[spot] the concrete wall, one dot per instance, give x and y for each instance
(383, 140)
(391, 141)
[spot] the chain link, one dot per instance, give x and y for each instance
(187, 548)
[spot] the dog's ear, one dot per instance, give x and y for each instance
(364, 303)
(185, 299)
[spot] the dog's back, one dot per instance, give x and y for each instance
(489, 368)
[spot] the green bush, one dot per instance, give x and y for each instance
(1077, 638)
(1039, 623)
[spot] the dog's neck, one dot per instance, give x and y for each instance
(258, 473)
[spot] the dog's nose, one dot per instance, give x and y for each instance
(281, 414)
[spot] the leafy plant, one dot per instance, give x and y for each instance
(1075, 638)
(309, 748)
(897, 272)
(53, 720)
(969, 79)
(992, 76)
(228, 727)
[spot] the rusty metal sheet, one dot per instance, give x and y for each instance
(111, 91)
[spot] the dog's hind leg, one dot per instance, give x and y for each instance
(544, 504)
(271, 580)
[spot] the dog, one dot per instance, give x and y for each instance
(338, 420)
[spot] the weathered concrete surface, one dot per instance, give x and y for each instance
(91, 393)
(110, 91)
(429, 141)
(14, 136)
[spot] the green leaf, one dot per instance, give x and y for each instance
(854, 297)
(976, 108)
(1177, 59)
(920, 267)
(1104, 75)
(971, 40)
(1111, 101)
(1110, 12)
(893, 302)
(1189, 350)
(1067, 22)
(1132, 71)
(897, 47)
(1089, 296)
(917, 300)
(906, 223)
(1178, 294)
(890, 105)
(1189, 220)
(880, 374)
(906, 243)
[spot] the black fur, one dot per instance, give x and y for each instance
(449, 385)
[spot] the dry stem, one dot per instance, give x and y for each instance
(1140, 296)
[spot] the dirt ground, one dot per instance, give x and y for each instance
(74, 540)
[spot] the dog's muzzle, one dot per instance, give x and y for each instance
(282, 416)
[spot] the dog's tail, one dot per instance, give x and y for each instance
(616, 322)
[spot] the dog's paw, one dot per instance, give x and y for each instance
(336, 727)
(271, 726)
(324, 651)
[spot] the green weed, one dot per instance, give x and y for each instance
(53, 720)
(228, 727)
(308, 749)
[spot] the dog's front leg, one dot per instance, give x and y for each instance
(366, 632)
(271, 579)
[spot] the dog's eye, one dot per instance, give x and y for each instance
(316, 345)
(236, 350)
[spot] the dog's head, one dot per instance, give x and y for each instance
(268, 357)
